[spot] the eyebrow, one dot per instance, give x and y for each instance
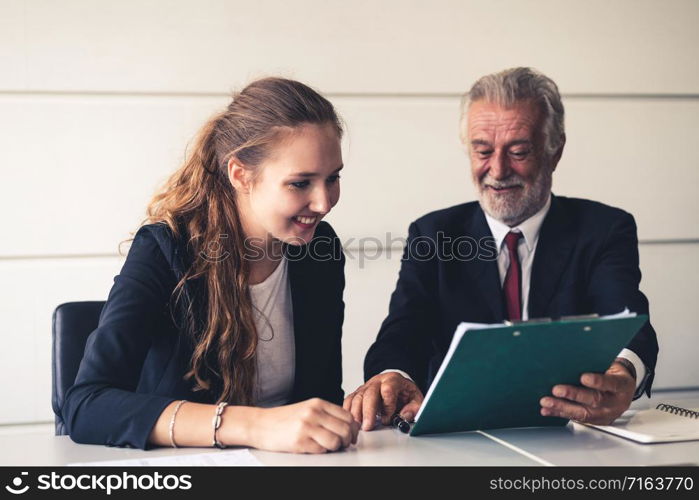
(516, 142)
(313, 174)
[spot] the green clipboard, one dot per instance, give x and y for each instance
(493, 376)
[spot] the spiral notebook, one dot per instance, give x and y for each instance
(663, 424)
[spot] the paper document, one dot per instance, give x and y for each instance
(216, 458)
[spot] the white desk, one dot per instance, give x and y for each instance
(381, 447)
(570, 445)
(577, 444)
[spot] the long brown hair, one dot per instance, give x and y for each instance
(199, 200)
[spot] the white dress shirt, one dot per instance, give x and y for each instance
(526, 249)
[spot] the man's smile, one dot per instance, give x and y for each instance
(504, 189)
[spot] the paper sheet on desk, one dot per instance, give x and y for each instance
(216, 459)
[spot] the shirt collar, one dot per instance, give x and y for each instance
(529, 228)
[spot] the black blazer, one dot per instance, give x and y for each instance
(135, 360)
(586, 261)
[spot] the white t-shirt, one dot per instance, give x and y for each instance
(274, 319)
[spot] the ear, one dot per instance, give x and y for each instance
(239, 176)
(557, 156)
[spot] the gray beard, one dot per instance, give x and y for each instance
(513, 212)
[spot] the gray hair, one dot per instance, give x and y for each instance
(518, 84)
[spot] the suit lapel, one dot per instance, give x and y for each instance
(300, 301)
(556, 241)
(484, 273)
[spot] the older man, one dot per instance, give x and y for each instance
(548, 256)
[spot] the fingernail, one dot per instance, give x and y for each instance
(408, 415)
(559, 391)
(545, 402)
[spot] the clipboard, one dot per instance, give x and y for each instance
(493, 376)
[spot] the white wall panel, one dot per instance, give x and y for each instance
(31, 291)
(626, 46)
(632, 154)
(13, 48)
(78, 172)
(370, 279)
(670, 275)
(33, 288)
(98, 100)
(404, 159)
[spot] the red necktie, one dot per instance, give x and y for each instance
(513, 279)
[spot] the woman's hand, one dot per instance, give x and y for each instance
(312, 426)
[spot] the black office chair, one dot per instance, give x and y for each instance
(72, 324)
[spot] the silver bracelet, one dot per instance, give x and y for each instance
(216, 423)
(172, 423)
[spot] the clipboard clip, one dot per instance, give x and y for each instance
(508, 322)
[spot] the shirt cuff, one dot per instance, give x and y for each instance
(398, 371)
(637, 364)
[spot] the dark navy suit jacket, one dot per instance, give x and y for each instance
(135, 360)
(586, 261)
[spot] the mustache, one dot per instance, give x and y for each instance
(514, 181)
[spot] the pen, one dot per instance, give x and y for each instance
(402, 424)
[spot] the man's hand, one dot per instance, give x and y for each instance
(383, 395)
(601, 401)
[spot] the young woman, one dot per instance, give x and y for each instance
(223, 327)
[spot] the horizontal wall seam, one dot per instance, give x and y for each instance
(60, 256)
(676, 389)
(675, 241)
(370, 95)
